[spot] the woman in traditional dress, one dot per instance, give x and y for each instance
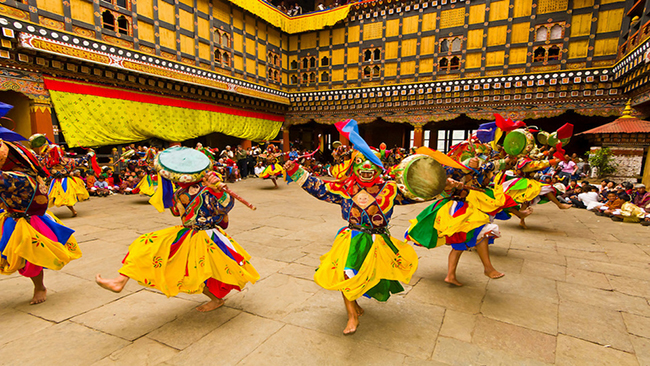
(197, 256)
(365, 260)
(65, 188)
(149, 181)
(30, 237)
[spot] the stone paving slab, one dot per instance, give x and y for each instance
(576, 292)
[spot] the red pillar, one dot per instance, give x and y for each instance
(418, 136)
(40, 114)
(286, 142)
(246, 144)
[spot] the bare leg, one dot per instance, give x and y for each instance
(74, 212)
(353, 316)
(360, 310)
(40, 292)
(214, 302)
(274, 181)
(454, 257)
(114, 284)
(484, 254)
(522, 215)
(560, 205)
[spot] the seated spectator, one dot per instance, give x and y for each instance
(613, 203)
(609, 187)
(587, 199)
(101, 186)
(622, 194)
(641, 197)
(90, 183)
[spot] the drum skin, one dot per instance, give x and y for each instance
(519, 142)
(420, 177)
(182, 164)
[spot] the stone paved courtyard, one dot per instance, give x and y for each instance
(576, 292)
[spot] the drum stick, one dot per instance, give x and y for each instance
(238, 198)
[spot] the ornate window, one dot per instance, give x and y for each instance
(376, 54)
(557, 31)
(456, 45)
(443, 64)
(305, 78)
(454, 64)
(372, 54)
(217, 56)
(305, 63)
(554, 53)
(108, 20)
(294, 79)
(312, 62)
(542, 34)
(367, 55)
(540, 54)
(325, 61)
(116, 22)
(444, 46)
(312, 77)
(294, 65)
(324, 77)
(225, 59)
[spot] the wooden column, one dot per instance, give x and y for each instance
(286, 142)
(246, 144)
(418, 136)
(40, 114)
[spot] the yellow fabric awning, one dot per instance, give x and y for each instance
(295, 24)
(94, 115)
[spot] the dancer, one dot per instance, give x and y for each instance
(197, 256)
(364, 259)
(31, 238)
(149, 182)
(65, 188)
(463, 218)
(273, 169)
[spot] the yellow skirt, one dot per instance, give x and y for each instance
(362, 264)
(147, 186)
(273, 170)
(67, 191)
(42, 242)
(180, 259)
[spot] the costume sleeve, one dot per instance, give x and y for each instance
(324, 191)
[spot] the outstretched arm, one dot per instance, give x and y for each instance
(324, 191)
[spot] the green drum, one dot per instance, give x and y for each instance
(182, 164)
(420, 177)
(519, 142)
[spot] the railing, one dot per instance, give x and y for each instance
(636, 39)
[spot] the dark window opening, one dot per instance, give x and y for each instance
(554, 53)
(325, 61)
(377, 54)
(108, 20)
(454, 64)
(123, 25)
(540, 54)
(367, 56)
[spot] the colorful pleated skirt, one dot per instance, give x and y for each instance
(67, 191)
(147, 186)
(361, 264)
(273, 170)
(28, 246)
(180, 259)
(459, 223)
(524, 190)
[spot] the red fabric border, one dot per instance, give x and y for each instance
(125, 94)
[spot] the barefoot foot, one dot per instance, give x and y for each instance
(40, 295)
(351, 327)
(494, 274)
(564, 206)
(115, 284)
(209, 306)
(453, 281)
(522, 223)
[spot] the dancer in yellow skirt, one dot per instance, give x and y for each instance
(273, 170)
(365, 260)
(30, 237)
(65, 189)
(197, 256)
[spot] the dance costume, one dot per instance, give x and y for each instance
(196, 254)
(365, 260)
(31, 238)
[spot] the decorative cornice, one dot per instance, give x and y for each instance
(58, 42)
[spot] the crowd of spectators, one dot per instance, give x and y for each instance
(294, 9)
